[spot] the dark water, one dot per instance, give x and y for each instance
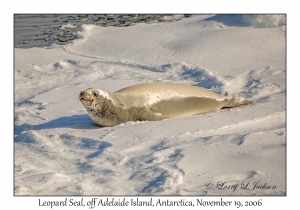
(39, 30)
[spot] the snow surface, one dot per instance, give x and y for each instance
(59, 151)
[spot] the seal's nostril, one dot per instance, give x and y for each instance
(81, 93)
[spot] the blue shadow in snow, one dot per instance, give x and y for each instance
(155, 185)
(231, 20)
(82, 121)
(101, 149)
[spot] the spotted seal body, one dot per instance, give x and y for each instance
(151, 102)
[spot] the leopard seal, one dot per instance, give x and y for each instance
(153, 101)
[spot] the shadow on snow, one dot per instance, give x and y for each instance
(82, 121)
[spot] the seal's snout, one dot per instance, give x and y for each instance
(86, 98)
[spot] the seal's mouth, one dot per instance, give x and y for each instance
(86, 98)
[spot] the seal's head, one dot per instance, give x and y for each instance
(89, 96)
(99, 106)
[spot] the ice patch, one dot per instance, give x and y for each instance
(68, 26)
(257, 21)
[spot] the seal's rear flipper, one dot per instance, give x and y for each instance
(248, 102)
(237, 101)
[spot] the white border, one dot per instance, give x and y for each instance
(153, 6)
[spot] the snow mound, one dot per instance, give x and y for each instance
(182, 72)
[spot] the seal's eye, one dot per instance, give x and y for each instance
(95, 94)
